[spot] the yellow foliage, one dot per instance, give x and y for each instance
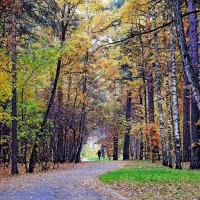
(5, 83)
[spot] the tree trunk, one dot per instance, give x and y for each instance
(193, 48)
(168, 99)
(60, 144)
(53, 92)
(158, 88)
(115, 149)
(151, 121)
(126, 146)
(150, 89)
(32, 159)
(186, 121)
(146, 88)
(78, 154)
(14, 169)
(142, 145)
(188, 67)
(47, 112)
(144, 81)
(128, 128)
(169, 131)
(82, 126)
(177, 143)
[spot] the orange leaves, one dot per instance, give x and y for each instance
(133, 11)
(150, 129)
(107, 64)
(152, 135)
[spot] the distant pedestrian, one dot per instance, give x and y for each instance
(99, 155)
(102, 152)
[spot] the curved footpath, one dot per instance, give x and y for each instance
(69, 184)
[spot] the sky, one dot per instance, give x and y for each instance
(106, 1)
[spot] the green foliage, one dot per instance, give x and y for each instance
(90, 151)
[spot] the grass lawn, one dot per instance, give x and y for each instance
(145, 180)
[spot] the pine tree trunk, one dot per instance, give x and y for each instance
(82, 126)
(151, 121)
(14, 169)
(195, 113)
(186, 121)
(158, 89)
(150, 89)
(177, 143)
(188, 67)
(115, 148)
(126, 146)
(126, 155)
(60, 142)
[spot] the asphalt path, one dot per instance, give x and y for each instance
(69, 184)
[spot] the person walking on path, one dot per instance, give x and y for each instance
(99, 155)
(102, 152)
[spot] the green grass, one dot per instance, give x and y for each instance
(148, 172)
(105, 159)
(96, 159)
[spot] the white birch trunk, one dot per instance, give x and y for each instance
(192, 77)
(174, 93)
(158, 88)
(168, 100)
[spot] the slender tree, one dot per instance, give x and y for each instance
(82, 125)
(168, 99)
(115, 148)
(128, 74)
(150, 88)
(67, 12)
(60, 129)
(188, 67)
(186, 120)
(177, 142)
(195, 113)
(14, 169)
(158, 89)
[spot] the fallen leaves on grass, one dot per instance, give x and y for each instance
(153, 191)
(134, 186)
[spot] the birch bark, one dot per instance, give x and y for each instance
(168, 100)
(192, 77)
(158, 88)
(177, 143)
